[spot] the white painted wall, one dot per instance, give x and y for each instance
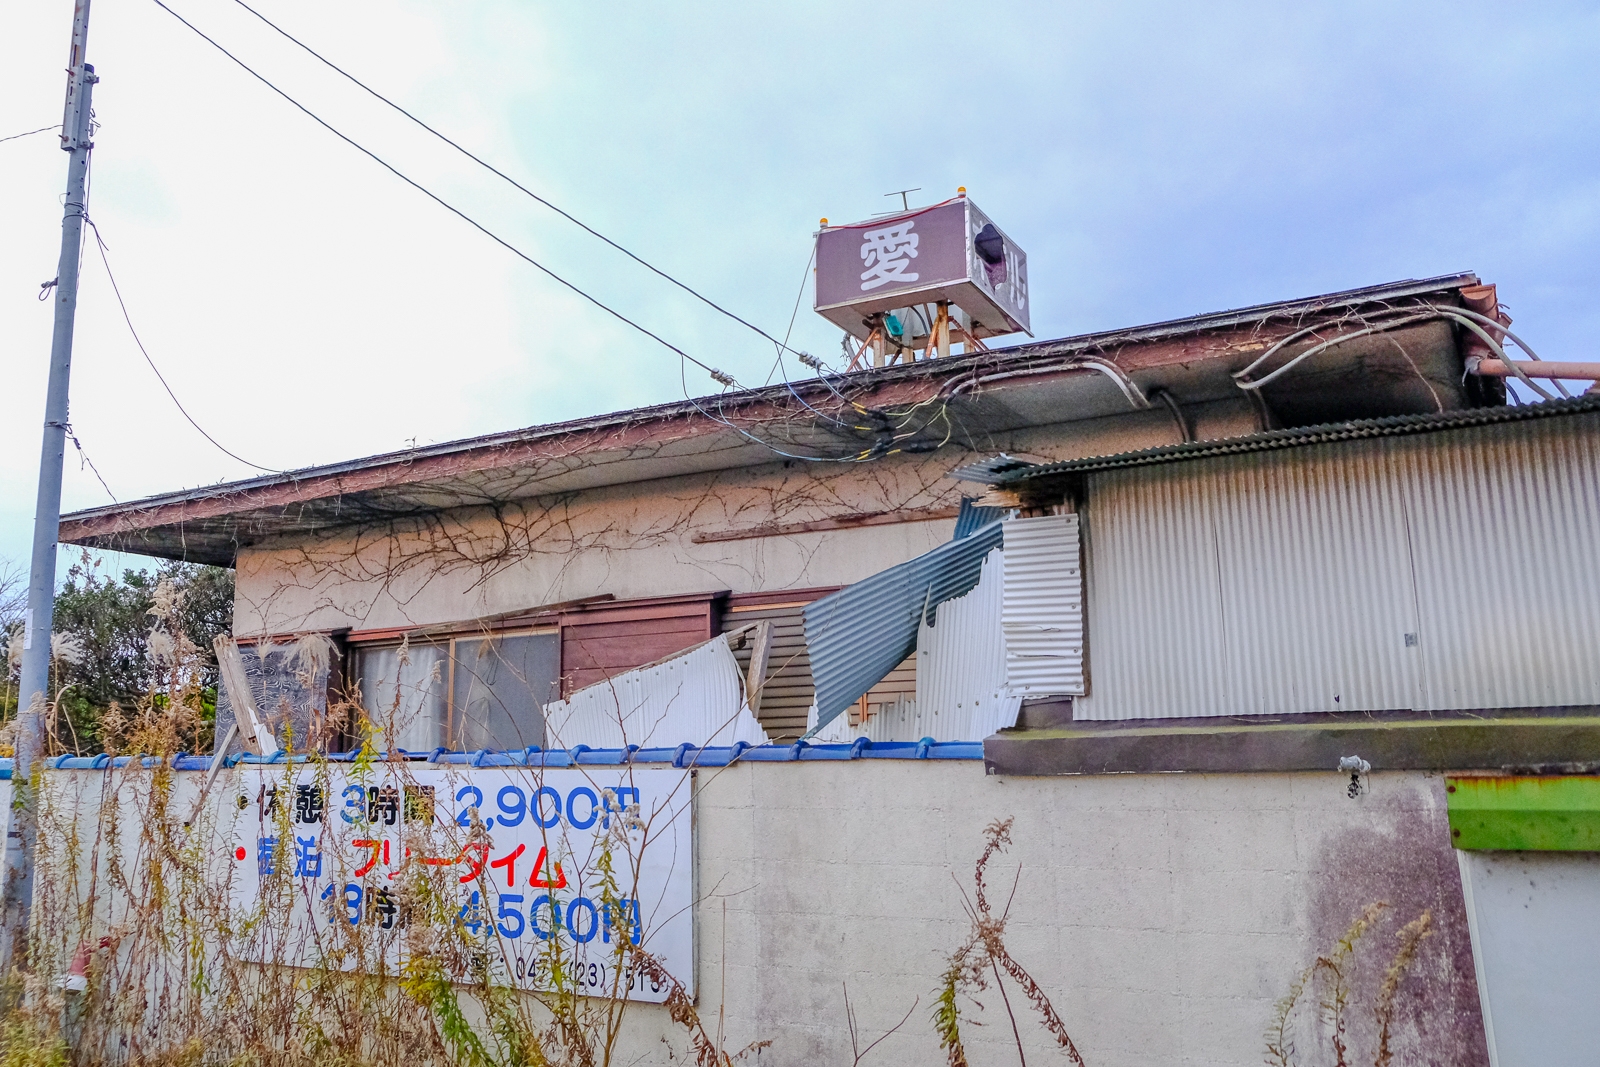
(1163, 914)
(1535, 919)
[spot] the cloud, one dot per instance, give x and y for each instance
(1155, 159)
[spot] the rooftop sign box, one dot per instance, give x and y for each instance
(948, 252)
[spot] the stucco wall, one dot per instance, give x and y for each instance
(1163, 914)
(638, 540)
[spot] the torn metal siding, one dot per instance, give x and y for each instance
(696, 697)
(1043, 611)
(1442, 572)
(787, 690)
(973, 518)
(859, 634)
(961, 663)
(961, 692)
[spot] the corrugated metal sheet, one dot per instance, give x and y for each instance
(961, 692)
(988, 471)
(1504, 526)
(859, 634)
(1043, 611)
(961, 663)
(1452, 571)
(973, 518)
(1300, 436)
(697, 697)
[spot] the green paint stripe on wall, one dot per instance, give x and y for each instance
(1544, 814)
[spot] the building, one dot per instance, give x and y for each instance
(1242, 546)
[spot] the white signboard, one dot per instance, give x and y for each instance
(543, 877)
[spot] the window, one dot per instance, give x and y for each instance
(405, 696)
(467, 693)
(498, 689)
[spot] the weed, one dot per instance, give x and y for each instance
(177, 968)
(984, 955)
(1332, 971)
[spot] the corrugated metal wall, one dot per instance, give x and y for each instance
(697, 697)
(1042, 616)
(958, 675)
(961, 658)
(1445, 571)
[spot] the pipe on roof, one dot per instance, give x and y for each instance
(1498, 368)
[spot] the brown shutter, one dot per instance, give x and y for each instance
(619, 635)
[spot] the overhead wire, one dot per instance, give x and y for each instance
(782, 345)
(162, 378)
(435, 197)
(727, 380)
(30, 133)
(83, 458)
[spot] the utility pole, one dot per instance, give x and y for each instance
(34, 696)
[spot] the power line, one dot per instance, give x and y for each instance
(100, 243)
(83, 458)
(436, 198)
(783, 345)
(876, 451)
(30, 133)
(778, 365)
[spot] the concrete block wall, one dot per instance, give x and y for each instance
(1164, 915)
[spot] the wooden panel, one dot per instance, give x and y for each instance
(695, 626)
(788, 692)
(619, 636)
(624, 652)
(899, 684)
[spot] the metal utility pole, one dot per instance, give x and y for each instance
(34, 694)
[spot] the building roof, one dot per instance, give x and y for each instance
(1034, 384)
(1008, 472)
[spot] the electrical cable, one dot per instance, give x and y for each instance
(101, 244)
(783, 345)
(799, 296)
(83, 458)
(728, 381)
(30, 133)
(474, 223)
(1393, 319)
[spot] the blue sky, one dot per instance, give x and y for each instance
(1154, 159)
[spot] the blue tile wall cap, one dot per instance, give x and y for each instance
(683, 756)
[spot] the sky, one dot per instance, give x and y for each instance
(1155, 160)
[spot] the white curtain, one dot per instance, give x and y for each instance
(404, 694)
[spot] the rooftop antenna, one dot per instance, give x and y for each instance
(905, 203)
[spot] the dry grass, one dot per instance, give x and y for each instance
(179, 971)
